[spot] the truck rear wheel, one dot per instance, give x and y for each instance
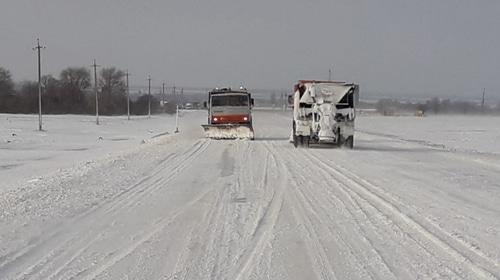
(306, 140)
(349, 142)
(295, 138)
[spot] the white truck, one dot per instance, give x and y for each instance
(323, 113)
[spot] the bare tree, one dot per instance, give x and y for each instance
(53, 95)
(28, 98)
(434, 105)
(73, 82)
(113, 99)
(140, 106)
(7, 97)
(75, 78)
(6, 83)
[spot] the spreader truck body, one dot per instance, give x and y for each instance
(324, 113)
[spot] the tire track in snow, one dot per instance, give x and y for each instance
(397, 203)
(386, 204)
(199, 255)
(122, 201)
(263, 231)
(364, 234)
(211, 234)
(323, 268)
(116, 256)
(15, 256)
(186, 159)
(184, 162)
(362, 255)
(229, 232)
(366, 208)
(211, 248)
(137, 194)
(190, 265)
(368, 220)
(207, 263)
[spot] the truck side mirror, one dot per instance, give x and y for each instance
(205, 104)
(252, 102)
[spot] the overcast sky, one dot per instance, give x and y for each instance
(448, 47)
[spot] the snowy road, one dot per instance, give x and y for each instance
(184, 207)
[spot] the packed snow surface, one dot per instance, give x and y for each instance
(416, 199)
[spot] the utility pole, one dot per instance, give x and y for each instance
(482, 101)
(128, 96)
(163, 94)
(95, 89)
(182, 96)
(176, 119)
(38, 48)
(284, 101)
(287, 101)
(174, 97)
(149, 96)
(281, 100)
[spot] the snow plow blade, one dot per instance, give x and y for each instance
(228, 131)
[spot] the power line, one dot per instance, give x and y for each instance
(203, 90)
(38, 48)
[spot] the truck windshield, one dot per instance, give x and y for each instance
(230, 100)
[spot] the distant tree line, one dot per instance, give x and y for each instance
(434, 106)
(73, 93)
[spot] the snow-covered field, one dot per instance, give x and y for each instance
(463, 133)
(416, 199)
(67, 140)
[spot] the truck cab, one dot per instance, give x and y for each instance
(229, 114)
